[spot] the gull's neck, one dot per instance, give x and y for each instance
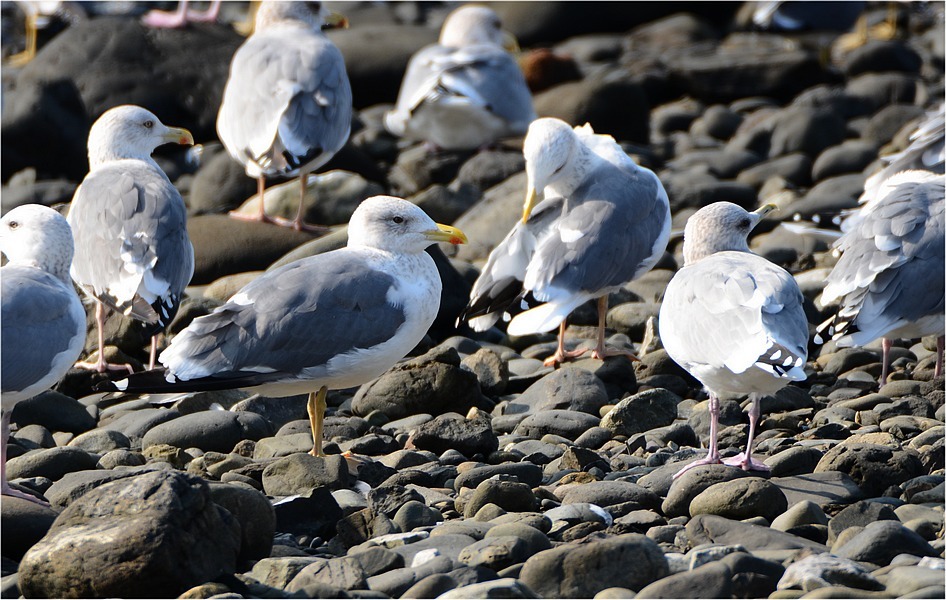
(102, 152)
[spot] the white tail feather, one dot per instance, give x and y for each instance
(540, 319)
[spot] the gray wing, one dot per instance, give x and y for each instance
(735, 309)
(132, 248)
(614, 227)
(500, 282)
(292, 318)
(37, 324)
(485, 75)
(287, 102)
(892, 263)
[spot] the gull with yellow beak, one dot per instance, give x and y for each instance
(604, 221)
(466, 91)
(330, 321)
(732, 319)
(287, 104)
(132, 253)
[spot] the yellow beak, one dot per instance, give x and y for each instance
(531, 200)
(178, 135)
(335, 21)
(445, 233)
(764, 210)
(510, 42)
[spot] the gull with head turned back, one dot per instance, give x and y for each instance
(132, 254)
(603, 222)
(732, 319)
(330, 321)
(43, 322)
(287, 104)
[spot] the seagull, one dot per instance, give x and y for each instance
(38, 14)
(132, 250)
(466, 91)
(604, 221)
(287, 104)
(732, 319)
(330, 321)
(889, 278)
(43, 323)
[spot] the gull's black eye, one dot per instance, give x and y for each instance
(398, 219)
(744, 224)
(14, 224)
(558, 170)
(149, 124)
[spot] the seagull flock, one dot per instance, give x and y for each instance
(592, 221)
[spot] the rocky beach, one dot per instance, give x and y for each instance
(470, 469)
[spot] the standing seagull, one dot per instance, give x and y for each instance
(604, 221)
(132, 250)
(466, 91)
(286, 107)
(330, 321)
(889, 278)
(732, 319)
(42, 322)
(182, 16)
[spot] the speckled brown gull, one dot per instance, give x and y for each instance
(732, 319)
(330, 321)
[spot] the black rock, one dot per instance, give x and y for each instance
(212, 430)
(882, 55)
(55, 412)
(873, 467)
(314, 513)
(24, 523)
(452, 431)
(254, 513)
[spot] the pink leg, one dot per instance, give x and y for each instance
(154, 352)
(940, 342)
(261, 216)
(167, 20)
(712, 456)
(885, 360)
(600, 352)
(100, 365)
(208, 16)
(5, 488)
(561, 354)
(744, 459)
(299, 223)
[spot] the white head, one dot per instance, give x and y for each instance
(720, 227)
(554, 157)
(471, 25)
(37, 236)
(130, 131)
(396, 225)
(313, 15)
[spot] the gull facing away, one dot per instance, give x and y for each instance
(889, 278)
(330, 321)
(129, 223)
(732, 319)
(604, 221)
(466, 91)
(42, 326)
(287, 104)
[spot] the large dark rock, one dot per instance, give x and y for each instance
(873, 467)
(117, 60)
(433, 383)
(210, 430)
(713, 529)
(223, 246)
(55, 412)
(154, 535)
(881, 541)
(581, 571)
(641, 412)
(255, 514)
(713, 580)
(613, 105)
(469, 437)
(567, 388)
(24, 523)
